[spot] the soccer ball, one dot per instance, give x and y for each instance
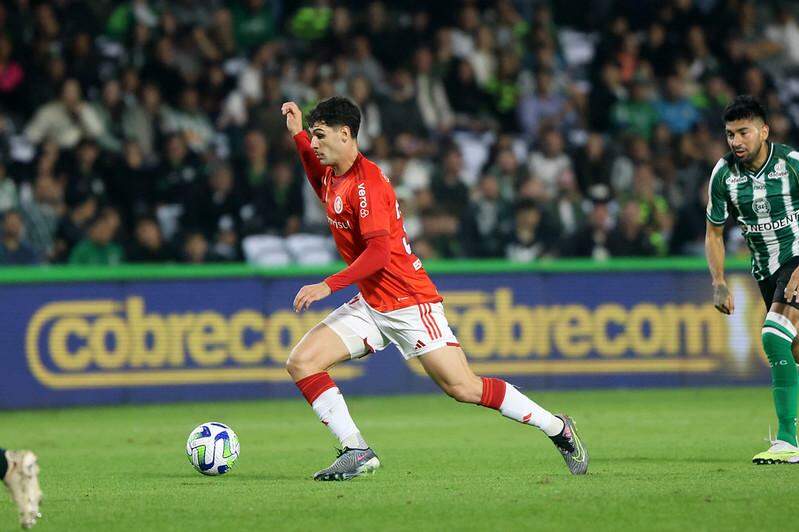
(212, 448)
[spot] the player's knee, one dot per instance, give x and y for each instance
(301, 363)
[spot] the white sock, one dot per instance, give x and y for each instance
(333, 412)
(521, 408)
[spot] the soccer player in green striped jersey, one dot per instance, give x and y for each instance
(758, 183)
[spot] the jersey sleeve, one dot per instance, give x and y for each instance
(314, 170)
(717, 212)
(373, 206)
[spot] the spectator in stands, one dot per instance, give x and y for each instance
(84, 174)
(448, 185)
(196, 250)
(41, 211)
(545, 108)
(14, 249)
(178, 174)
(99, 248)
(73, 227)
(488, 221)
(214, 205)
(440, 229)
(400, 112)
(66, 121)
(592, 240)
(638, 114)
(532, 236)
(629, 238)
(431, 96)
(9, 198)
(676, 110)
(149, 245)
(279, 205)
(550, 161)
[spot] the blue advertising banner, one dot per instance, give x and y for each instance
(70, 343)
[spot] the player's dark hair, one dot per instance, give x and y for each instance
(336, 111)
(744, 107)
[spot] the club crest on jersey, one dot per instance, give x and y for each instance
(780, 170)
(761, 206)
(338, 205)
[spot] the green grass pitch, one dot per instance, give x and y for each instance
(661, 460)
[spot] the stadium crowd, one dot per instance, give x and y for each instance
(150, 131)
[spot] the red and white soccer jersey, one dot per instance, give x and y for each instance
(361, 205)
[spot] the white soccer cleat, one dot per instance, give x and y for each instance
(22, 480)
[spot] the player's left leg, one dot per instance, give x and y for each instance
(20, 473)
(778, 336)
(448, 367)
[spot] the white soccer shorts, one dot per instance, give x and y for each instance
(415, 330)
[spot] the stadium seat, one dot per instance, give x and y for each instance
(266, 250)
(310, 249)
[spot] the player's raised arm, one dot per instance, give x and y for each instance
(313, 168)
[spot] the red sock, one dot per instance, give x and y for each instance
(493, 392)
(313, 385)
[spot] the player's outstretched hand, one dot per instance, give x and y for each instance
(310, 293)
(722, 299)
(792, 288)
(293, 117)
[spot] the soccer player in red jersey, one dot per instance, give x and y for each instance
(397, 302)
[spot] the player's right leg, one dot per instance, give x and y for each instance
(20, 473)
(448, 367)
(341, 336)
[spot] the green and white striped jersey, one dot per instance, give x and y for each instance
(765, 204)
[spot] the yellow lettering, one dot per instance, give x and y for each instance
(207, 339)
(605, 316)
(143, 327)
(467, 332)
(640, 342)
(59, 336)
(509, 319)
(116, 328)
(178, 326)
(240, 324)
(573, 331)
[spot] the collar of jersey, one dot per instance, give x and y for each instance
(350, 170)
(762, 168)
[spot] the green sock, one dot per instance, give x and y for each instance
(778, 335)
